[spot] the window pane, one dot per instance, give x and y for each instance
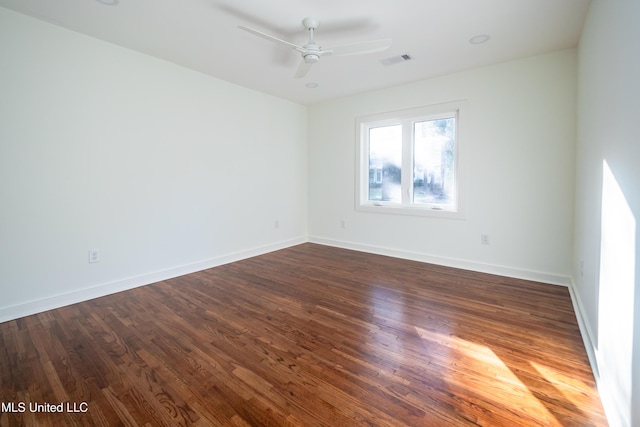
(385, 163)
(433, 168)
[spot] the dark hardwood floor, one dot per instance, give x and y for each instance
(309, 335)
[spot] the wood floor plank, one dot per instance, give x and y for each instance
(309, 335)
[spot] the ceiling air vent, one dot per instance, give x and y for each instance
(396, 59)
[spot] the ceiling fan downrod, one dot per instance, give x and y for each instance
(312, 53)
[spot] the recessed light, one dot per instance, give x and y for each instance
(312, 85)
(479, 39)
(109, 2)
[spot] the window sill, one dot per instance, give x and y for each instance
(432, 212)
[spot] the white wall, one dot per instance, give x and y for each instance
(607, 237)
(518, 171)
(168, 171)
(163, 169)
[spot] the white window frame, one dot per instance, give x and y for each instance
(407, 118)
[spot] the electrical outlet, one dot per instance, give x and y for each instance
(343, 224)
(484, 239)
(276, 224)
(94, 256)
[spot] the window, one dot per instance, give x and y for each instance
(408, 161)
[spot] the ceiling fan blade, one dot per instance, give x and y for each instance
(272, 38)
(303, 69)
(358, 48)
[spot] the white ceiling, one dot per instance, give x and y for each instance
(203, 35)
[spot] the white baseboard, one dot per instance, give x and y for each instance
(607, 397)
(536, 276)
(57, 301)
(585, 329)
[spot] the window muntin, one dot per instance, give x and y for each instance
(409, 162)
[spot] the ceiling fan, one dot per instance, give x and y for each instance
(311, 52)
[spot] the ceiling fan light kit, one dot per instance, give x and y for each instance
(311, 58)
(311, 51)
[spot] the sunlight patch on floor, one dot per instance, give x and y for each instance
(572, 389)
(477, 367)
